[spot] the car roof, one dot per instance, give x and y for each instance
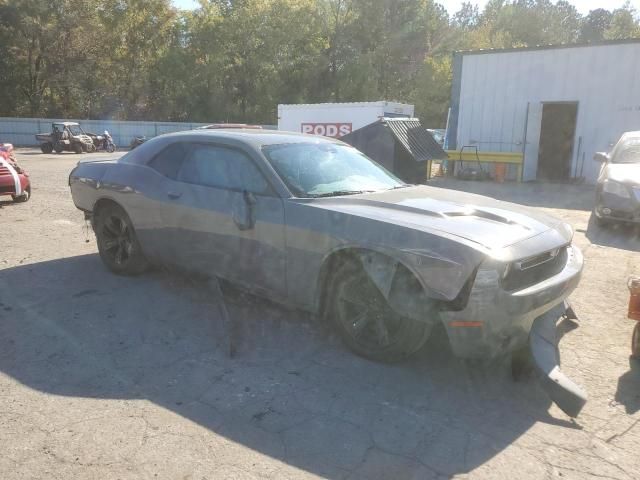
(635, 133)
(255, 137)
(214, 126)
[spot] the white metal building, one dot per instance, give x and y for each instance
(556, 104)
(337, 119)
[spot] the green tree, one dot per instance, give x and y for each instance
(137, 33)
(595, 24)
(235, 60)
(623, 24)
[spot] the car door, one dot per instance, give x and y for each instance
(229, 218)
(152, 187)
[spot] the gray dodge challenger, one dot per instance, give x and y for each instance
(312, 222)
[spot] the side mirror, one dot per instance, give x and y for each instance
(249, 198)
(601, 157)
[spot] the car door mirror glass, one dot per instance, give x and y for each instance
(249, 198)
(601, 157)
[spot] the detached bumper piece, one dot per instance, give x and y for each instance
(543, 342)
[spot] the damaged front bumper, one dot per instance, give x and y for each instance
(496, 322)
(543, 343)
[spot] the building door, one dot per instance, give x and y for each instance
(557, 135)
(533, 119)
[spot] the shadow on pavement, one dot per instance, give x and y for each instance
(617, 235)
(628, 393)
(532, 194)
(293, 393)
(36, 151)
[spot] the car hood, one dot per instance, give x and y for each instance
(482, 220)
(624, 172)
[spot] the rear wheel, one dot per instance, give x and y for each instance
(46, 147)
(365, 321)
(117, 242)
(77, 147)
(58, 147)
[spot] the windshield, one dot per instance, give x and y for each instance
(628, 151)
(75, 130)
(324, 169)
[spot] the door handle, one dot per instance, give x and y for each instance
(244, 211)
(174, 195)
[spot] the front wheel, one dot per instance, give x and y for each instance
(26, 195)
(111, 147)
(117, 242)
(366, 322)
(600, 221)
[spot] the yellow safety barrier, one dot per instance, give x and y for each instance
(486, 157)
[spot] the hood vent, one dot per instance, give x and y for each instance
(481, 214)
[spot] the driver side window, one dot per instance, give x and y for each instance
(168, 161)
(225, 168)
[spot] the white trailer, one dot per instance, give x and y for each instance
(337, 119)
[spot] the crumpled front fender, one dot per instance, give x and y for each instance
(398, 285)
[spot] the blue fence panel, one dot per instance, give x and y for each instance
(21, 131)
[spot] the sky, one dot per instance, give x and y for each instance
(452, 6)
(583, 6)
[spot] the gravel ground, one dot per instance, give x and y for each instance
(108, 377)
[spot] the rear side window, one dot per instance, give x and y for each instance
(220, 167)
(168, 161)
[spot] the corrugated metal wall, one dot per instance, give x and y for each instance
(497, 87)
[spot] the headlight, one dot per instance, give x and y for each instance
(615, 188)
(490, 272)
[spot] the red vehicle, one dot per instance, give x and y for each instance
(14, 180)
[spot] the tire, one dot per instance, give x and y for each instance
(77, 147)
(600, 221)
(26, 195)
(58, 147)
(111, 147)
(364, 320)
(46, 147)
(117, 242)
(635, 342)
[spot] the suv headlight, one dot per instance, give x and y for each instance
(615, 188)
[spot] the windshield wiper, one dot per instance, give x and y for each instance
(338, 193)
